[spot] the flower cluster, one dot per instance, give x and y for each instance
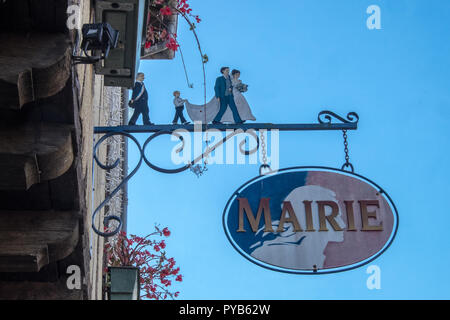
(172, 43)
(157, 29)
(157, 271)
(184, 8)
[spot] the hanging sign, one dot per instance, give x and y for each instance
(310, 220)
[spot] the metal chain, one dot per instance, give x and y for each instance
(263, 146)
(347, 157)
(264, 155)
(345, 146)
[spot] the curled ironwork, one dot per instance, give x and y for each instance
(242, 143)
(326, 117)
(108, 218)
(195, 168)
(160, 169)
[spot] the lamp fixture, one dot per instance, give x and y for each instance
(97, 37)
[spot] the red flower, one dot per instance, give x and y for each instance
(165, 11)
(166, 232)
(179, 278)
(172, 44)
(157, 270)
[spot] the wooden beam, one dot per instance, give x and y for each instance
(33, 153)
(31, 239)
(33, 66)
(23, 258)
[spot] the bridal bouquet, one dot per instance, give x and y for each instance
(242, 87)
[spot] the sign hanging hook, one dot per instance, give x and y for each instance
(347, 163)
(264, 155)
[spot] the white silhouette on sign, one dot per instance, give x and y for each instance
(302, 249)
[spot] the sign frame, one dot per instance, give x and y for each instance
(319, 271)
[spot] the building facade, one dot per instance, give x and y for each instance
(48, 108)
(49, 183)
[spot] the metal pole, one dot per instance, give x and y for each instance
(224, 127)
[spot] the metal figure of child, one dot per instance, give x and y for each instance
(179, 107)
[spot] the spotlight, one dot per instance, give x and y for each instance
(97, 37)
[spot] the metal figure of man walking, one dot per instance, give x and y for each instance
(139, 101)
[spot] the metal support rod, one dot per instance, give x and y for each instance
(224, 127)
(325, 119)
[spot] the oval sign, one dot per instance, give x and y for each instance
(310, 220)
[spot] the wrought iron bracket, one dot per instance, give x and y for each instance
(325, 118)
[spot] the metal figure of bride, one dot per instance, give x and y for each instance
(212, 108)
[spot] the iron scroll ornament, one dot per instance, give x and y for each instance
(326, 117)
(143, 158)
(352, 118)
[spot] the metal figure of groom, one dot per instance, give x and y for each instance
(224, 93)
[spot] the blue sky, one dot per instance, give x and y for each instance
(301, 57)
